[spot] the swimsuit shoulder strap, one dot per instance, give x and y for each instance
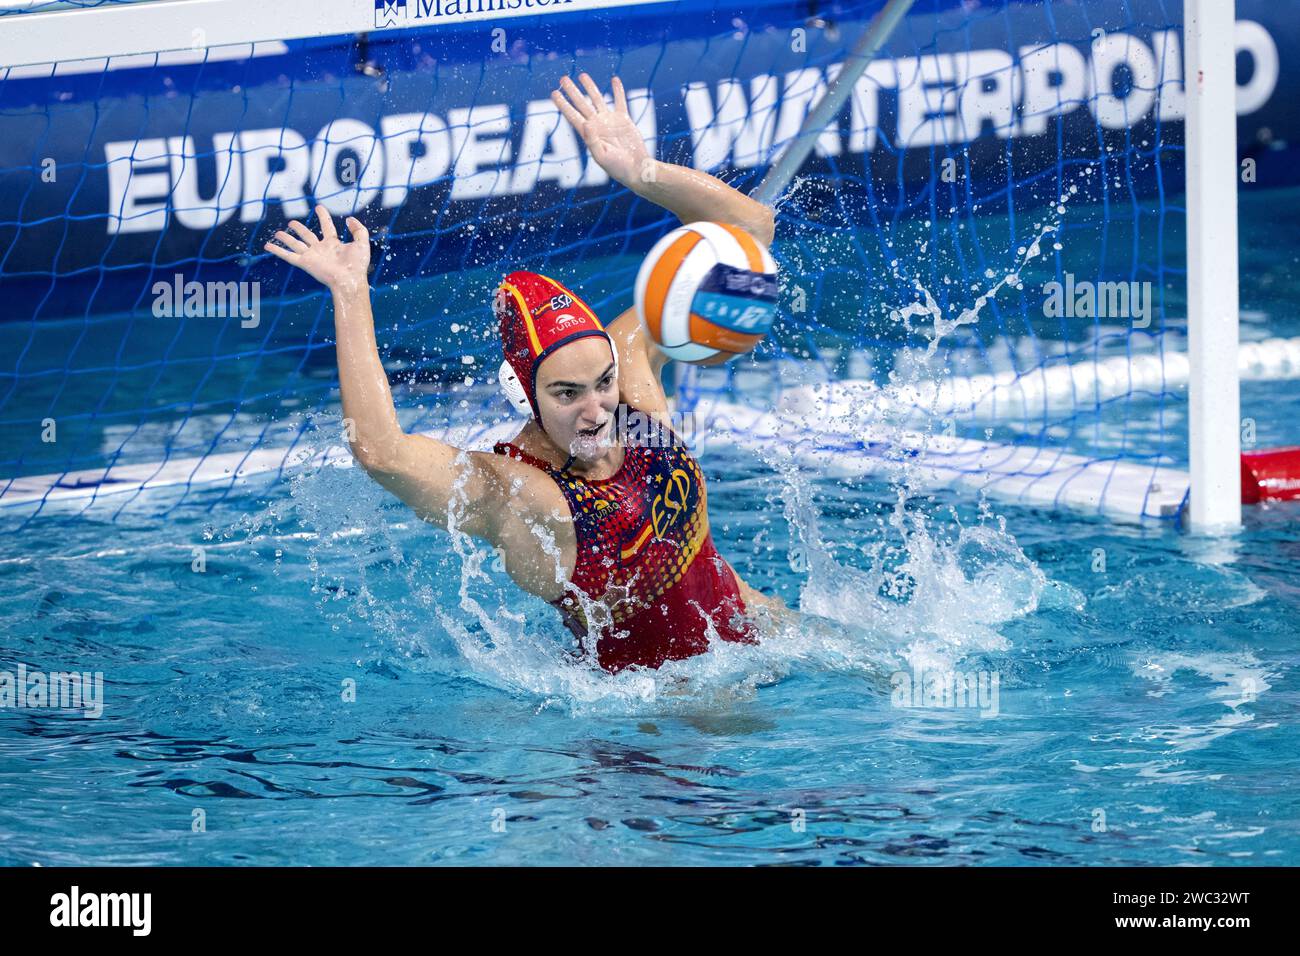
(514, 451)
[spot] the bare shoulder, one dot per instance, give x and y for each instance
(521, 487)
(532, 525)
(640, 363)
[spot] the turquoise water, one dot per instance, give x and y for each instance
(339, 684)
(1160, 692)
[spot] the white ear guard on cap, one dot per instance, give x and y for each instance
(514, 389)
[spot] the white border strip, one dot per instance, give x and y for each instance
(1025, 475)
(1019, 474)
(241, 51)
(1005, 397)
(233, 467)
(166, 25)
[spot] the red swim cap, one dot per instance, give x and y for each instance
(536, 316)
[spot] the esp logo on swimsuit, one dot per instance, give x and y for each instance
(671, 502)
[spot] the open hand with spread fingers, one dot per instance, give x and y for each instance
(326, 258)
(611, 137)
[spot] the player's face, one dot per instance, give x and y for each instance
(577, 395)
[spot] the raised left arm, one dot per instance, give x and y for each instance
(695, 195)
(615, 142)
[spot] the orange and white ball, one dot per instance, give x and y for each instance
(707, 292)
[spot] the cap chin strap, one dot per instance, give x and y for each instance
(514, 390)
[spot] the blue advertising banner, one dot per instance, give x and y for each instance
(444, 141)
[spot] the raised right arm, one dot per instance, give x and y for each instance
(424, 473)
(421, 471)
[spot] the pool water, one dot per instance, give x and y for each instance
(1145, 705)
(296, 671)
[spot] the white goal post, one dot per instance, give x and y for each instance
(1214, 396)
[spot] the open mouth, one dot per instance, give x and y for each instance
(593, 431)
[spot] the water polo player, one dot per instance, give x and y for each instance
(610, 528)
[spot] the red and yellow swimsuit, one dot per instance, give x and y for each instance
(646, 555)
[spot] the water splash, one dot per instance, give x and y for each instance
(930, 594)
(928, 597)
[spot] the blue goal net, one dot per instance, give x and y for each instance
(982, 259)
